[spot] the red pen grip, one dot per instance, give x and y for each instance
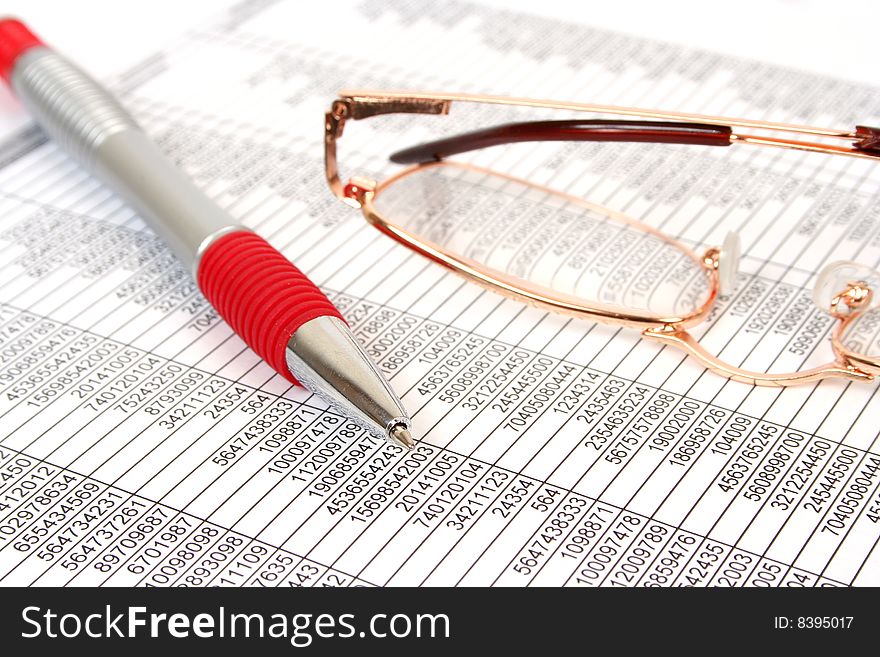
(260, 294)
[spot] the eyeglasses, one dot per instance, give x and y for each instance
(559, 252)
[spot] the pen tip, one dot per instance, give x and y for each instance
(400, 435)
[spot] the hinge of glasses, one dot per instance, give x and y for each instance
(357, 188)
(363, 106)
(339, 112)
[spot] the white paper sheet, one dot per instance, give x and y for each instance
(142, 444)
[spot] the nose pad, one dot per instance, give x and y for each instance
(841, 275)
(728, 261)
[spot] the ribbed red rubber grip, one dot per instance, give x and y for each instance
(260, 294)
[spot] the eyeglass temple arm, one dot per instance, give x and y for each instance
(866, 144)
(865, 140)
(666, 132)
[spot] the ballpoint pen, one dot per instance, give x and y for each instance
(267, 301)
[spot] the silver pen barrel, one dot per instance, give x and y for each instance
(318, 350)
(90, 125)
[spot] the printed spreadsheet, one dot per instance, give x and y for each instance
(142, 444)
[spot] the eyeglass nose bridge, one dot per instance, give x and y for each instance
(852, 368)
(846, 307)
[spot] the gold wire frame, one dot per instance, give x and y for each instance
(361, 192)
(532, 293)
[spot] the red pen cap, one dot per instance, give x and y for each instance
(15, 39)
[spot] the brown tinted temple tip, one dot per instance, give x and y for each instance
(867, 139)
(666, 132)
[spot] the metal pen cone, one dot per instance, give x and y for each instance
(400, 435)
(324, 356)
